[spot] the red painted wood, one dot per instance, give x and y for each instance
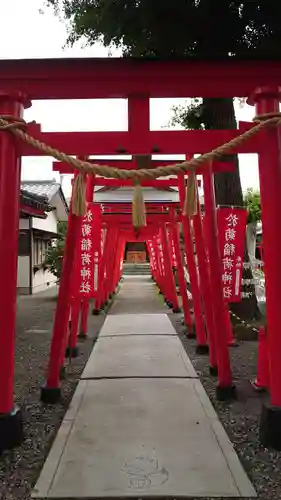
(127, 207)
(180, 272)
(34, 212)
(196, 287)
(9, 227)
(119, 77)
(215, 267)
(127, 218)
(267, 101)
(63, 303)
(167, 142)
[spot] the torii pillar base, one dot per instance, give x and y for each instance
(213, 370)
(190, 332)
(226, 393)
(270, 427)
(82, 336)
(202, 350)
(50, 395)
(11, 430)
(72, 352)
(63, 373)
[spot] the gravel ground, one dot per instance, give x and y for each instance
(20, 468)
(241, 418)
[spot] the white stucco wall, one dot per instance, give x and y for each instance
(41, 279)
(49, 224)
(44, 279)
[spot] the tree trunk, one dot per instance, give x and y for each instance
(220, 114)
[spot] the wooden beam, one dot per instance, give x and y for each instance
(90, 78)
(166, 142)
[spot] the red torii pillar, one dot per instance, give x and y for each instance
(11, 426)
(111, 264)
(170, 286)
(120, 255)
(105, 284)
(79, 306)
(51, 392)
(86, 302)
(182, 283)
(194, 284)
(99, 300)
(161, 265)
(206, 289)
(72, 350)
(266, 101)
(158, 268)
(225, 388)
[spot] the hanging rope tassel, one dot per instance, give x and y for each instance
(138, 207)
(79, 206)
(190, 202)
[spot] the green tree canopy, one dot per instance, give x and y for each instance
(252, 202)
(189, 28)
(54, 256)
(183, 28)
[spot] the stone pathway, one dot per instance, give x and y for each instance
(137, 296)
(140, 424)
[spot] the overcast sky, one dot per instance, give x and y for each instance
(27, 33)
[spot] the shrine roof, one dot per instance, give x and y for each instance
(51, 192)
(34, 201)
(47, 189)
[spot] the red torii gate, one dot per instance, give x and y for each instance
(121, 220)
(138, 80)
(202, 347)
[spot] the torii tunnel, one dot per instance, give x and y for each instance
(109, 227)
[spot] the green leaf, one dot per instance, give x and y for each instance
(253, 204)
(54, 257)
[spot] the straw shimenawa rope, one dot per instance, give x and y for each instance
(18, 126)
(190, 202)
(79, 205)
(138, 207)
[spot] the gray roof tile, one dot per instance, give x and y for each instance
(46, 189)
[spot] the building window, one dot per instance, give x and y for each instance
(36, 252)
(40, 248)
(24, 244)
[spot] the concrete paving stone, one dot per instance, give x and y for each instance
(125, 436)
(139, 438)
(138, 295)
(131, 305)
(138, 356)
(139, 324)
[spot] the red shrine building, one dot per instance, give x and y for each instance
(135, 252)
